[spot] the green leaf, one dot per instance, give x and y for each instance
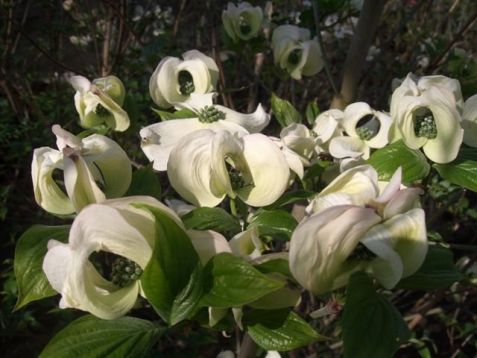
(437, 272)
(183, 113)
(291, 197)
(279, 330)
(463, 170)
(216, 219)
(229, 281)
(29, 254)
(312, 111)
(276, 265)
(284, 111)
(90, 336)
(386, 160)
(276, 223)
(169, 276)
(372, 326)
(145, 182)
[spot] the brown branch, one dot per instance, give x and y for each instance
(356, 57)
(106, 45)
(438, 61)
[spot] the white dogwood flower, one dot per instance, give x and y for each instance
(328, 125)
(100, 102)
(114, 226)
(205, 166)
(242, 21)
(359, 227)
(94, 168)
(174, 79)
(295, 52)
(159, 139)
(366, 128)
(426, 113)
(469, 121)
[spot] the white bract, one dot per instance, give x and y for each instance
(366, 128)
(426, 113)
(357, 226)
(159, 139)
(242, 21)
(327, 126)
(174, 79)
(295, 52)
(114, 226)
(94, 168)
(205, 166)
(100, 102)
(469, 121)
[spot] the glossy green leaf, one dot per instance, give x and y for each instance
(372, 326)
(284, 111)
(145, 182)
(386, 160)
(437, 272)
(463, 170)
(166, 116)
(168, 278)
(229, 281)
(279, 330)
(292, 197)
(90, 337)
(312, 111)
(275, 223)
(29, 254)
(276, 265)
(216, 219)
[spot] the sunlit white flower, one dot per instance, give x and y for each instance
(100, 102)
(114, 226)
(174, 79)
(242, 21)
(366, 128)
(247, 244)
(358, 226)
(469, 121)
(295, 52)
(328, 125)
(205, 166)
(94, 168)
(159, 139)
(426, 113)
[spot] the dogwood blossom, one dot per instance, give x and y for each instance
(357, 226)
(242, 21)
(94, 168)
(174, 79)
(100, 102)
(469, 121)
(295, 52)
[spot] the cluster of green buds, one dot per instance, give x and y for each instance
(124, 272)
(210, 114)
(186, 83)
(425, 126)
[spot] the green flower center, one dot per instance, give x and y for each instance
(368, 127)
(424, 124)
(295, 56)
(124, 272)
(186, 83)
(245, 28)
(101, 111)
(210, 114)
(361, 253)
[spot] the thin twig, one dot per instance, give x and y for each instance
(106, 45)
(437, 62)
(326, 62)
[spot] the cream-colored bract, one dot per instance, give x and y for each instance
(100, 102)
(164, 84)
(157, 140)
(354, 210)
(295, 52)
(440, 98)
(93, 168)
(469, 121)
(114, 226)
(242, 21)
(356, 145)
(198, 171)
